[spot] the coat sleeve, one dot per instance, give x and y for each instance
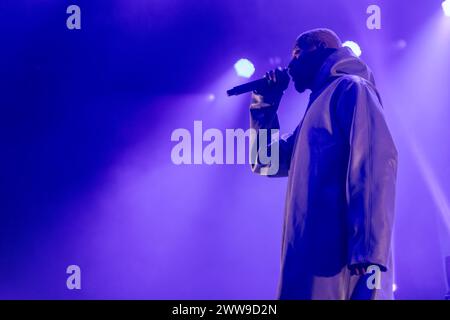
(263, 115)
(371, 174)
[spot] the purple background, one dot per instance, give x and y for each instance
(86, 117)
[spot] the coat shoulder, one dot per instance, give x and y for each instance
(350, 80)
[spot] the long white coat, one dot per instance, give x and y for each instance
(341, 164)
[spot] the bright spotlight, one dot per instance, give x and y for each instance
(354, 46)
(244, 68)
(446, 7)
(394, 287)
(211, 97)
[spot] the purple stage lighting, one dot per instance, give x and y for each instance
(354, 46)
(244, 68)
(446, 7)
(447, 271)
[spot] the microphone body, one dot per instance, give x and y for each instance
(259, 84)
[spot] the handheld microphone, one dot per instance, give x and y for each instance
(258, 85)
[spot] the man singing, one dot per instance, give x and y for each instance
(341, 164)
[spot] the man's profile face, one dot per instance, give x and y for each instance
(300, 68)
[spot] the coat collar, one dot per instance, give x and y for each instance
(339, 63)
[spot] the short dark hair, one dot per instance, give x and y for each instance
(319, 38)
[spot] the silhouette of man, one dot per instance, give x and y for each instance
(341, 164)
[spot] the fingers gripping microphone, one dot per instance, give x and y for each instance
(258, 85)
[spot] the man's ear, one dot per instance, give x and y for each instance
(321, 45)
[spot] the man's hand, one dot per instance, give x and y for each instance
(278, 82)
(278, 79)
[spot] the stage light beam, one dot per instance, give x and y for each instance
(446, 7)
(354, 47)
(244, 68)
